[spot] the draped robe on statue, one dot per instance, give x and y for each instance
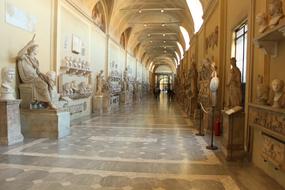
(29, 74)
(235, 90)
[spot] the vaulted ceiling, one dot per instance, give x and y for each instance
(151, 28)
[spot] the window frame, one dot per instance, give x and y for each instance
(244, 35)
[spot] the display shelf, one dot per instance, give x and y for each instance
(75, 70)
(269, 40)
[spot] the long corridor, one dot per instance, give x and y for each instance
(148, 146)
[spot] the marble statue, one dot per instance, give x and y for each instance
(28, 68)
(205, 76)
(84, 89)
(7, 91)
(126, 80)
(234, 86)
(275, 10)
(99, 83)
(261, 92)
(214, 84)
(262, 21)
(277, 99)
(193, 75)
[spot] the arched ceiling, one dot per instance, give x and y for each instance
(154, 27)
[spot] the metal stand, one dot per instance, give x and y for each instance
(212, 147)
(200, 133)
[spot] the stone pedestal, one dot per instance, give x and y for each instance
(207, 120)
(124, 97)
(52, 124)
(10, 125)
(107, 104)
(233, 134)
(97, 105)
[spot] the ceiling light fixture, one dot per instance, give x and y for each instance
(163, 35)
(162, 10)
(140, 11)
(163, 25)
(148, 35)
(145, 25)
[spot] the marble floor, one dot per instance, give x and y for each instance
(147, 146)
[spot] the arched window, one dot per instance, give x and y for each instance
(196, 10)
(186, 37)
(98, 16)
(181, 50)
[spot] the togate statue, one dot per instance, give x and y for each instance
(7, 91)
(28, 68)
(125, 80)
(100, 83)
(234, 86)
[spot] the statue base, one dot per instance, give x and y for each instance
(207, 121)
(10, 123)
(97, 105)
(53, 124)
(233, 134)
(124, 97)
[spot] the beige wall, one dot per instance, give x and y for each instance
(13, 38)
(57, 21)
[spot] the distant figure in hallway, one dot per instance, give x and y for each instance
(170, 95)
(157, 92)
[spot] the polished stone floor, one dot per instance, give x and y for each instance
(148, 146)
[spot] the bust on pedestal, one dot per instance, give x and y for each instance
(10, 123)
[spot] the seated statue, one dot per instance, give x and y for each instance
(28, 68)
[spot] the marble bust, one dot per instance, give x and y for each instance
(262, 21)
(7, 91)
(261, 92)
(234, 86)
(28, 67)
(278, 96)
(275, 10)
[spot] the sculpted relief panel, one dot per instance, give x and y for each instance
(274, 152)
(272, 120)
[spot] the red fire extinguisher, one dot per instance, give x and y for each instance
(218, 127)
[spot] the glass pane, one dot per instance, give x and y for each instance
(245, 58)
(239, 53)
(239, 33)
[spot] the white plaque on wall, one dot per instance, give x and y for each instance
(20, 18)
